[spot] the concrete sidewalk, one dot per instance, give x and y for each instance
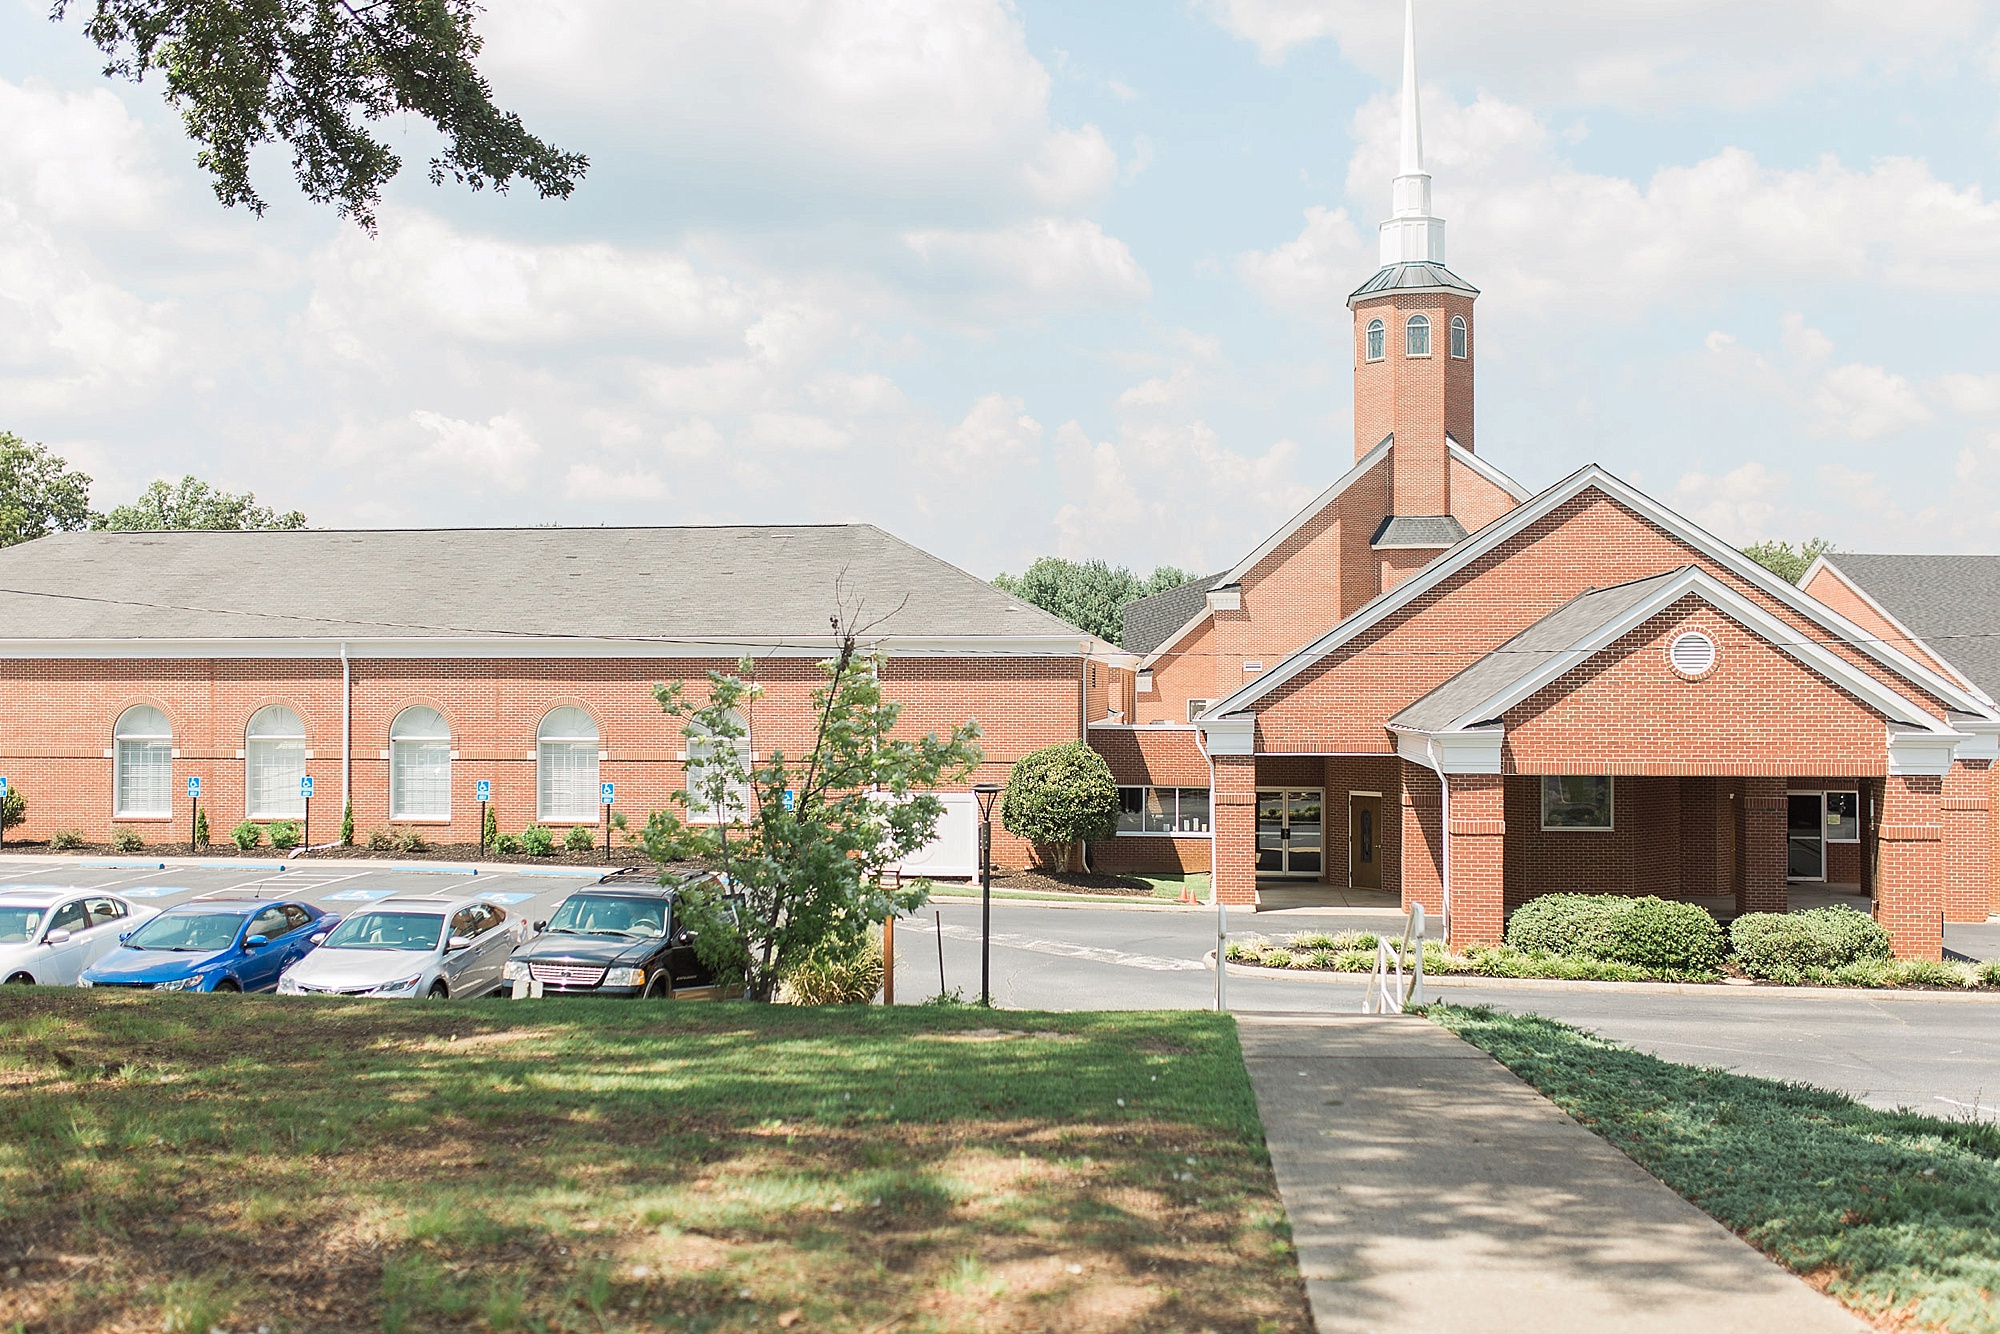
(1431, 1190)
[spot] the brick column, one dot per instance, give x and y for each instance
(1909, 884)
(1421, 858)
(1761, 846)
(1234, 841)
(1478, 836)
(1966, 828)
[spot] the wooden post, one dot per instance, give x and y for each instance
(889, 959)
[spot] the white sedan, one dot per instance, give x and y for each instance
(433, 947)
(49, 936)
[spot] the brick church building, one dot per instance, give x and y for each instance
(1434, 683)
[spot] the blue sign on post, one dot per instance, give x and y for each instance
(791, 799)
(604, 792)
(3, 787)
(484, 787)
(194, 787)
(306, 787)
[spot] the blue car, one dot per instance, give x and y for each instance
(214, 944)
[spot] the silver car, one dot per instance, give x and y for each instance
(434, 947)
(51, 935)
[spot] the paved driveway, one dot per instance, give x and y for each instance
(1937, 1056)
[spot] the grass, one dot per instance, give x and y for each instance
(1168, 886)
(184, 1162)
(1895, 1214)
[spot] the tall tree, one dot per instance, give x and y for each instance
(39, 492)
(1088, 594)
(1788, 562)
(315, 75)
(194, 504)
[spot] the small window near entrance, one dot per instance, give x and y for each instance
(1576, 802)
(1163, 810)
(1843, 817)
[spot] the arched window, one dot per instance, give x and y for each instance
(274, 760)
(1417, 336)
(703, 746)
(1375, 340)
(143, 770)
(566, 767)
(419, 765)
(1458, 337)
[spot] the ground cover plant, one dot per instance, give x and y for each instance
(181, 1162)
(1895, 1214)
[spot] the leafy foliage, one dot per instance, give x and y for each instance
(489, 827)
(538, 840)
(580, 838)
(507, 845)
(315, 75)
(1060, 796)
(66, 840)
(127, 839)
(410, 841)
(347, 825)
(39, 492)
(804, 840)
(1088, 594)
(1651, 933)
(285, 834)
(835, 977)
(247, 835)
(1783, 946)
(13, 808)
(192, 505)
(1786, 561)
(201, 826)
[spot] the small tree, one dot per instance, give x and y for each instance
(13, 808)
(201, 826)
(800, 841)
(1788, 562)
(1061, 797)
(489, 828)
(347, 825)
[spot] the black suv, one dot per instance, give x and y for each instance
(617, 938)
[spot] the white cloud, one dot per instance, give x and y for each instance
(1049, 262)
(1865, 402)
(500, 450)
(594, 483)
(1740, 506)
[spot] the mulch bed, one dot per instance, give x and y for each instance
(1065, 882)
(452, 852)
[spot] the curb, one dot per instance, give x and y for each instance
(1642, 988)
(320, 863)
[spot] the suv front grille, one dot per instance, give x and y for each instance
(565, 974)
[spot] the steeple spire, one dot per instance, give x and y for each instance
(1411, 234)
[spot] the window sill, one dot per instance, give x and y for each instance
(420, 819)
(1578, 829)
(168, 818)
(1161, 833)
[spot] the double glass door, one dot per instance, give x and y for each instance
(1291, 826)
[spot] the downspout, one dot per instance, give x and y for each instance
(346, 734)
(1444, 833)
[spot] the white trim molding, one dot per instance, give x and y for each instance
(1922, 752)
(1982, 739)
(1229, 597)
(1229, 736)
(1471, 751)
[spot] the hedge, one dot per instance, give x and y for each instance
(1650, 932)
(1785, 945)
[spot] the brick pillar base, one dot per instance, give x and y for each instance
(1234, 840)
(1966, 828)
(1421, 857)
(1909, 881)
(1761, 846)
(1478, 834)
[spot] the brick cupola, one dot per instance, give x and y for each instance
(1413, 347)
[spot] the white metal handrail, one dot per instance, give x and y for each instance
(1389, 991)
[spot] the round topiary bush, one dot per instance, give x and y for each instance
(1781, 946)
(1669, 937)
(1567, 924)
(1060, 796)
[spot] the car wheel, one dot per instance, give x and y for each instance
(21, 980)
(658, 989)
(439, 991)
(228, 984)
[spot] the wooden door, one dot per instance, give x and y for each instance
(1364, 842)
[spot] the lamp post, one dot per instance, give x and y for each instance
(986, 792)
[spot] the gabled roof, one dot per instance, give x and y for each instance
(1593, 620)
(748, 586)
(1515, 520)
(1412, 276)
(1436, 531)
(1950, 605)
(1151, 621)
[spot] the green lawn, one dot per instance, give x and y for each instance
(179, 1162)
(1896, 1214)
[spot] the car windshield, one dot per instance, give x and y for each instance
(188, 931)
(17, 925)
(416, 931)
(605, 915)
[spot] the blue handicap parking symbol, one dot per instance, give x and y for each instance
(604, 792)
(194, 787)
(485, 789)
(306, 786)
(359, 895)
(495, 896)
(153, 891)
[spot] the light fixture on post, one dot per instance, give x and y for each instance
(986, 792)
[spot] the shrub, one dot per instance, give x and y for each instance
(66, 840)
(834, 978)
(285, 835)
(381, 840)
(127, 839)
(580, 838)
(1929, 973)
(1060, 796)
(13, 808)
(1670, 937)
(247, 835)
(411, 840)
(1781, 946)
(1314, 940)
(347, 825)
(507, 845)
(1987, 974)
(1565, 924)
(489, 826)
(538, 840)
(201, 826)
(1276, 957)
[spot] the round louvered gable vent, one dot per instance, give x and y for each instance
(1692, 654)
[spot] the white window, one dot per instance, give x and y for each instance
(1843, 817)
(143, 742)
(419, 765)
(566, 777)
(274, 760)
(1377, 337)
(1576, 802)
(1458, 341)
(1195, 706)
(701, 746)
(1163, 810)
(1417, 336)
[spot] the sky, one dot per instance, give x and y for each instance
(1037, 278)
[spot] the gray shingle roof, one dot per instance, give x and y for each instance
(1418, 530)
(1526, 653)
(1412, 275)
(1149, 621)
(1952, 603)
(725, 583)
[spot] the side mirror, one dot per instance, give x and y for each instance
(124, 936)
(541, 926)
(318, 939)
(457, 943)
(256, 942)
(685, 938)
(56, 937)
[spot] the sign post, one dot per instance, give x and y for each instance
(483, 790)
(306, 791)
(194, 809)
(3, 812)
(605, 792)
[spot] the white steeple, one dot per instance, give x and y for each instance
(1412, 234)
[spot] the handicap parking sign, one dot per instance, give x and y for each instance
(306, 786)
(194, 787)
(604, 791)
(484, 787)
